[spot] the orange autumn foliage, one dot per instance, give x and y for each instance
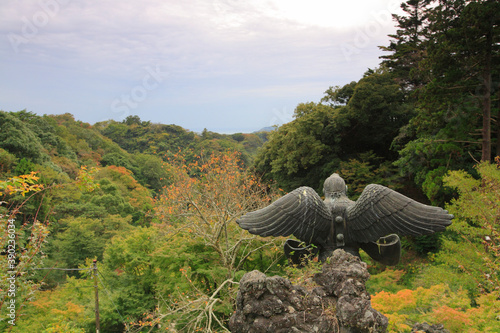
(454, 319)
(438, 304)
(198, 212)
(21, 184)
(402, 300)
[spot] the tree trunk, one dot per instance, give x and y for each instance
(498, 125)
(486, 147)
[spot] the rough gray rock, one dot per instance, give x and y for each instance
(426, 328)
(339, 302)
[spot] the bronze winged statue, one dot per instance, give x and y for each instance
(372, 223)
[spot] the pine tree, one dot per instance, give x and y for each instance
(444, 54)
(407, 44)
(462, 49)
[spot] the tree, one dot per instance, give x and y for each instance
(81, 238)
(22, 245)
(339, 96)
(211, 252)
(406, 45)
(376, 112)
(132, 276)
(18, 139)
(296, 151)
(308, 149)
(70, 309)
(213, 192)
(456, 43)
(150, 171)
(132, 120)
(7, 161)
(120, 193)
(463, 43)
(119, 159)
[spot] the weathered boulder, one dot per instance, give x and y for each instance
(337, 301)
(426, 328)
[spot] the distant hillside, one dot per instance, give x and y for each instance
(137, 136)
(63, 144)
(266, 129)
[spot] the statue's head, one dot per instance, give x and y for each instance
(334, 186)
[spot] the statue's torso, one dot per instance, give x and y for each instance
(337, 236)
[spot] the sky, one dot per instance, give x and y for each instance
(225, 65)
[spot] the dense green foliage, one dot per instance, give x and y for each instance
(460, 287)
(445, 55)
(95, 199)
(156, 204)
(359, 124)
(136, 136)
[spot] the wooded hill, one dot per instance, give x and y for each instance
(156, 204)
(64, 144)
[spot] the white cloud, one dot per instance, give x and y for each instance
(212, 50)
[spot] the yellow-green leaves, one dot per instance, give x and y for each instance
(22, 184)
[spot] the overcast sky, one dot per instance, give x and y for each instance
(225, 65)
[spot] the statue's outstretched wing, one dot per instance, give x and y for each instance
(380, 211)
(301, 213)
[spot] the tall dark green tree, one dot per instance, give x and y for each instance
(458, 46)
(339, 96)
(363, 117)
(297, 151)
(406, 45)
(463, 54)
(376, 111)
